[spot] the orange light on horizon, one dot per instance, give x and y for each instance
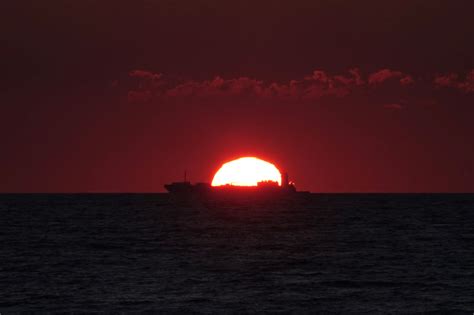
(246, 171)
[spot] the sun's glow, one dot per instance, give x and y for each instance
(246, 171)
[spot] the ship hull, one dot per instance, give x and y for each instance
(264, 192)
(239, 195)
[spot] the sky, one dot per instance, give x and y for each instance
(346, 96)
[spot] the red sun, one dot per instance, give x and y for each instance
(246, 171)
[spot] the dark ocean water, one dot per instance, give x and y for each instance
(334, 253)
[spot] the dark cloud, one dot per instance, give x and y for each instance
(355, 78)
(318, 84)
(446, 80)
(385, 86)
(217, 87)
(468, 84)
(147, 79)
(407, 80)
(393, 106)
(452, 80)
(145, 74)
(383, 75)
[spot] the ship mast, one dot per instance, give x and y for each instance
(284, 179)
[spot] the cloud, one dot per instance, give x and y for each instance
(147, 86)
(407, 80)
(468, 84)
(147, 79)
(319, 84)
(144, 74)
(383, 75)
(452, 80)
(312, 87)
(447, 80)
(217, 87)
(393, 106)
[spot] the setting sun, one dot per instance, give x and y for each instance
(246, 171)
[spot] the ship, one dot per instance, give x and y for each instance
(264, 190)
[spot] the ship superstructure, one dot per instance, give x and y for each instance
(269, 189)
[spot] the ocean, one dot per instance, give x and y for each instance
(333, 253)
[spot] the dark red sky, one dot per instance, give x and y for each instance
(347, 96)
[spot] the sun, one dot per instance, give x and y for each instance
(246, 171)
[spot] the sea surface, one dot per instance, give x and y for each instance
(333, 253)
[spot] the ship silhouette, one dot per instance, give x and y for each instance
(264, 190)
